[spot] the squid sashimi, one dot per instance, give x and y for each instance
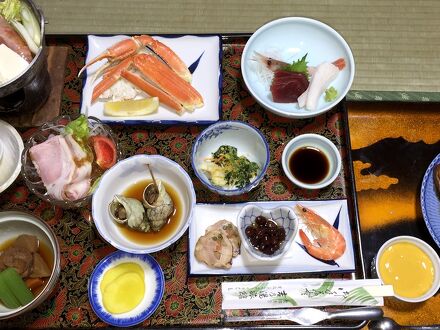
(325, 73)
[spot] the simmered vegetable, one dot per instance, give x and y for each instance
(21, 17)
(9, 278)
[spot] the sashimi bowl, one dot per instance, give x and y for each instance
(297, 67)
(64, 159)
(30, 263)
(230, 157)
(125, 216)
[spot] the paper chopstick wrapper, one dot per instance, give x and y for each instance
(304, 292)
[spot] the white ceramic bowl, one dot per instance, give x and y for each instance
(321, 143)
(425, 247)
(128, 172)
(283, 216)
(249, 142)
(288, 39)
(15, 223)
(11, 146)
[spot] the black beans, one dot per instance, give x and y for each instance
(265, 235)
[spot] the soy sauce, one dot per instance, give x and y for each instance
(309, 165)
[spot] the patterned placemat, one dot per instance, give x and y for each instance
(188, 301)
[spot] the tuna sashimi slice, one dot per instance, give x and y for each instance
(287, 86)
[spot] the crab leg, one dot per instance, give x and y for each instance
(153, 91)
(167, 55)
(168, 81)
(111, 76)
(128, 47)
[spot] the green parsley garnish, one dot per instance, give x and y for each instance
(299, 66)
(330, 94)
(238, 170)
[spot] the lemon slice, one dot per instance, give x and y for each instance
(128, 108)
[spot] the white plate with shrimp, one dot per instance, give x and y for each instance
(297, 259)
(287, 40)
(198, 55)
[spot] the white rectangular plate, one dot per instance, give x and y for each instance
(296, 260)
(206, 79)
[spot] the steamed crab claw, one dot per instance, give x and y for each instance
(128, 47)
(156, 79)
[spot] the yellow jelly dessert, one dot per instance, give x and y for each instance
(407, 268)
(122, 287)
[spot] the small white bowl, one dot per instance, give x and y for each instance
(283, 216)
(288, 39)
(249, 142)
(11, 147)
(425, 247)
(314, 141)
(128, 172)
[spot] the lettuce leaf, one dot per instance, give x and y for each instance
(79, 128)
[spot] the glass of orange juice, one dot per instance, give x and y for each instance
(411, 266)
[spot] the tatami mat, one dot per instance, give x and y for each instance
(396, 44)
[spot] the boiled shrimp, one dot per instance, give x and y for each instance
(328, 243)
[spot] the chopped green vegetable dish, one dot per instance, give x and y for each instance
(226, 168)
(330, 94)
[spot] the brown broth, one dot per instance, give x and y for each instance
(45, 253)
(309, 165)
(135, 191)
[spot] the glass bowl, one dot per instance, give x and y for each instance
(56, 127)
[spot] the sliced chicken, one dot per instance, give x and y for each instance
(231, 232)
(214, 249)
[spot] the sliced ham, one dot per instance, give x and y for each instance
(63, 167)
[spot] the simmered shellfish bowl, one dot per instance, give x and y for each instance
(136, 219)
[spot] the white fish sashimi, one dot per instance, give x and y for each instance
(325, 73)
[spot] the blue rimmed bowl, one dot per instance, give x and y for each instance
(430, 201)
(155, 287)
(282, 215)
(249, 142)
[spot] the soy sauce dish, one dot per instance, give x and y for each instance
(125, 289)
(311, 161)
